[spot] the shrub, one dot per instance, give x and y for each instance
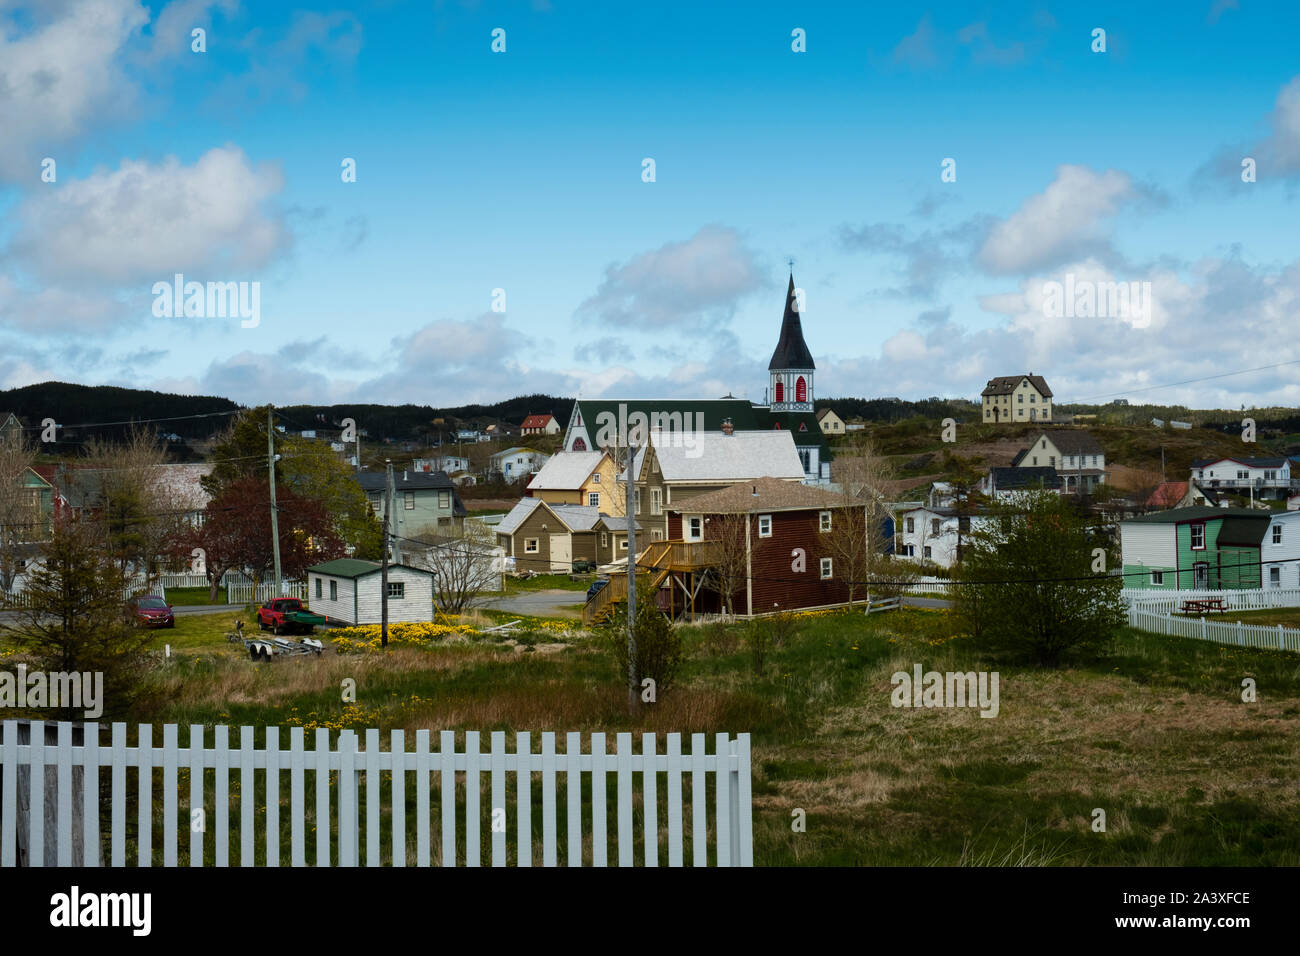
(658, 643)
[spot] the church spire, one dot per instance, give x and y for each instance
(791, 350)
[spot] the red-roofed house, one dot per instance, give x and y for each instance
(1179, 494)
(540, 425)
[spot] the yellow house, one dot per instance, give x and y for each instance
(1017, 398)
(587, 478)
(831, 424)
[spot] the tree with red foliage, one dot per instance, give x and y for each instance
(236, 533)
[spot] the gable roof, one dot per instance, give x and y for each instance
(536, 421)
(1198, 513)
(765, 494)
(824, 412)
(517, 450)
(371, 481)
(576, 518)
(1013, 479)
(520, 513)
(1167, 494)
(715, 457)
(1071, 441)
(1248, 462)
(791, 350)
(566, 471)
(1006, 384)
(356, 568)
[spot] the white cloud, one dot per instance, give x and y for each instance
(695, 284)
(1064, 221)
(143, 222)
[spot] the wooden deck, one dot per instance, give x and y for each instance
(659, 560)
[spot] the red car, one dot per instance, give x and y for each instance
(152, 611)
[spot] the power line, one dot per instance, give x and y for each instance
(1190, 381)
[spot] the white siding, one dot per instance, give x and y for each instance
(1149, 545)
(415, 607)
(1288, 551)
(339, 610)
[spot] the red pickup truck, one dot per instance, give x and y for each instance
(286, 615)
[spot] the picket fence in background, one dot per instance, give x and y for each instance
(203, 822)
(1223, 632)
(242, 593)
(1250, 599)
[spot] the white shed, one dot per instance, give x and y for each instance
(348, 590)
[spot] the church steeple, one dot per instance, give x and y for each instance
(790, 372)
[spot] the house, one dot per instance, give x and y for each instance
(1008, 484)
(1279, 552)
(549, 537)
(616, 423)
(668, 472)
(1075, 454)
(347, 590)
(1016, 398)
(1194, 548)
(1260, 477)
(831, 423)
(1180, 494)
(517, 463)
(540, 425)
(422, 501)
(448, 463)
(587, 478)
(936, 534)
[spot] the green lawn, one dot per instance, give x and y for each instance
(1286, 616)
(545, 582)
(1155, 733)
(188, 597)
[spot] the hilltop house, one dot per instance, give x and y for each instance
(1180, 494)
(667, 472)
(831, 424)
(545, 537)
(1016, 398)
(1008, 484)
(586, 478)
(613, 423)
(540, 425)
(1262, 477)
(422, 501)
(1076, 456)
(1194, 548)
(448, 463)
(936, 534)
(516, 464)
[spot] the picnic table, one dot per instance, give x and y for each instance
(1203, 605)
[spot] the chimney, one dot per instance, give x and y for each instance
(727, 427)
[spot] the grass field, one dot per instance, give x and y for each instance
(1155, 733)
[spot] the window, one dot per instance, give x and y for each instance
(1051, 460)
(780, 391)
(934, 526)
(1242, 474)
(765, 526)
(826, 568)
(397, 589)
(593, 499)
(579, 445)
(825, 521)
(1275, 577)
(334, 590)
(530, 545)
(319, 587)
(444, 499)
(1094, 461)
(656, 501)
(595, 478)
(695, 528)
(1044, 445)
(1032, 399)
(911, 525)
(604, 539)
(1157, 578)
(1198, 537)
(656, 535)
(927, 552)
(622, 544)
(636, 500)
(1020, 399)
(1035, 459)
(374, 497)
(1277, 534)
(408, 500)
(1270, 475)
(800, 390)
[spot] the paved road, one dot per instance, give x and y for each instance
(548, 603)
(926, 602)
(185, 610)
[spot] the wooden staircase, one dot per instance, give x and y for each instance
(660, 559)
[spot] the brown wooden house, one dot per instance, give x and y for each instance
(549, 538)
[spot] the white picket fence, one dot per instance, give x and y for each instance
(1250, 599)
(1224, 632)
(242, 593)
(930, 585)
(339, 836)
(189, 580)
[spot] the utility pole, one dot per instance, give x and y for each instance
(394, 525)
(275, 518)
(383, 568)
(630, 507)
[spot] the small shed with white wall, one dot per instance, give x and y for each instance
(348, 591)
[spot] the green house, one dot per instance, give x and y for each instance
(1194, 549)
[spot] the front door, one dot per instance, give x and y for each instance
(561, 553)
(1200, 576)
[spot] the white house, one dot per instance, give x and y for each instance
(1077, 457)
(935, 534)
(348, 590)
(448, 463)
(518, 463)
(1265, 477)
(1279, 552)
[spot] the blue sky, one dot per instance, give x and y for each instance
(522, 171)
